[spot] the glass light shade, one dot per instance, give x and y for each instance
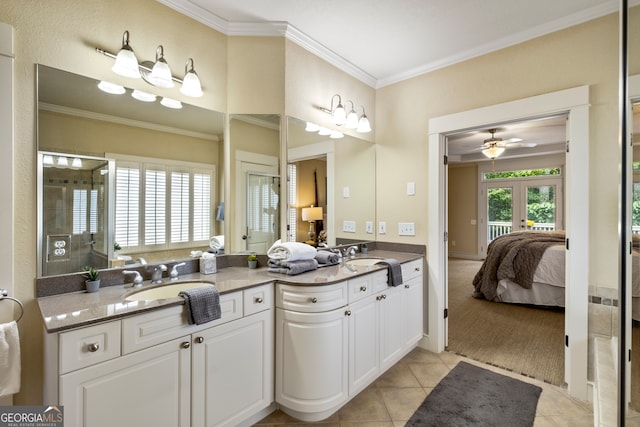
(312, 127)
(191, 85)
(63, 162)
(76, 162)
(352, 120)
(47, 160)
(339, 115)
(324, 131)
(363, 125)
(143, 96)
(312, 214)
(171, 103)
(111, 88)
(161, 74)
(336, 135)
(126, 64)
(493, 151)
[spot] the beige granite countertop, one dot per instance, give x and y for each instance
(75, 309)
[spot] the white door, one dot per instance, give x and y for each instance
(262, 215)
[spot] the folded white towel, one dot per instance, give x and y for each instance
(216, 242)
(9, 359)
(291, 251)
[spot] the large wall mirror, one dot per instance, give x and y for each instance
(334, 176)
(164, 165)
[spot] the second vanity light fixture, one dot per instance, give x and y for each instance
(350, 119)
(155, 73)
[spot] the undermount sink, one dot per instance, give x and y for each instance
(363, 261)
(164, 291)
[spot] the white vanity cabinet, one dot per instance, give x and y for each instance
(311, 349)
(155, 369)
(333, 341)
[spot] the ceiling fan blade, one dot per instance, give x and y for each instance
(521, 145)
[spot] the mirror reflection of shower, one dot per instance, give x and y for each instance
(75, 201)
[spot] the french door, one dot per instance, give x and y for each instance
(509, 205)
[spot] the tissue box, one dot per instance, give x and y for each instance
(208, 265)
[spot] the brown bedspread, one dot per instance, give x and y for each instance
(513, 256)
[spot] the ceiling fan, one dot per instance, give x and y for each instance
(494, 146)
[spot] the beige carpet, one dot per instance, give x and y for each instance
(523, 339)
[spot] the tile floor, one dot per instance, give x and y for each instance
(391, 399)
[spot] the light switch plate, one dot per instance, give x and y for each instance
(411, 188)
(406, 229)
(382, 227)
(369, 227)
(349, 226)
(345, 192)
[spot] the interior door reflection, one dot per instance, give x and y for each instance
(262, 216)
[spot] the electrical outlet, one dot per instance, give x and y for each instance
(369, 227)
(382, 227)
(349, 226)
(406, 229)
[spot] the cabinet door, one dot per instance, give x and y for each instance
(363, 344)
(391, 326)
(412, 310)
(311, 360)
(147, 388)
(233, 371)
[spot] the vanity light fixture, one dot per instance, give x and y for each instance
(126, 64)
(143, 96)
(336, 134)
(352, 118)
(324, 131)
(111, 88)
(63, 162)
(155, 73)
(312, 127)
(171, 103)
(191, 82)
(47, 160)
(363, 124)
(76, 163)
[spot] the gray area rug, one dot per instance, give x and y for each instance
(473, 396)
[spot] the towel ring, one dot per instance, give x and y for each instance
(3, 295)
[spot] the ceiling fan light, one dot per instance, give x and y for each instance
(493, 151)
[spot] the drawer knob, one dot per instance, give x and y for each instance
(314, 300)
(347, 313)
(363, 289)
(383, 296)
(199, 340)
(93, 347)
(417, 269)
(407, 286)
(258, 300)
(185, 344)
(379, 297)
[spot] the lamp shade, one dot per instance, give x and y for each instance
(493, 151)
(312, 214)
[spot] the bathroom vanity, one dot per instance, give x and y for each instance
(306, 343)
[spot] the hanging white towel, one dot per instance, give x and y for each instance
(9, 359)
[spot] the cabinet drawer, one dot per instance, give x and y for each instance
(411, 269)
(311, 299)
(258, 299)
(360, 287)
(162, 325)
(87, 346)
(379, 280)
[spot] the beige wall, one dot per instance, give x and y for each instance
(306, 192)
(64, 34)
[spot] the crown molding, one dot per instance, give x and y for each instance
(123, 121)
(284, 29)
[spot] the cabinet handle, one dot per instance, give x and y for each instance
(347, 313)
(258, 300)
(363, 289)
(93, 347)
(417, 269)
(185, 344)
(199, 340)
(314, 300)
(383, 296)
(379, 297)
(407, 286)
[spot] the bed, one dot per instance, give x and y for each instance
(528, 267)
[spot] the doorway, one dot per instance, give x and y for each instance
(575, 103)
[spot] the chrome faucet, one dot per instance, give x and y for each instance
(137, 280)
(173, 274)
(156, 276)
(350, 251)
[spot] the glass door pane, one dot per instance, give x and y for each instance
(499, 212)
(540, 208)
(262, 211)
